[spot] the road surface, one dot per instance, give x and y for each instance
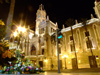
(55, 73)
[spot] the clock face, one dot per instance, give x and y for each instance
(38, 15)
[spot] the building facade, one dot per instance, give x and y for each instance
(42, 50)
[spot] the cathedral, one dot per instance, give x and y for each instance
(42, 50)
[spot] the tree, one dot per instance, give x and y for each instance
(89, 44)
(2, 29)
(69, 23)
(5, 54)
(10, 17)
(84, 22)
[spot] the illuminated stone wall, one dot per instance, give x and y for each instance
(80, 44)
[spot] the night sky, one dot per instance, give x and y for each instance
(58, 10)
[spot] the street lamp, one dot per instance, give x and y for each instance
(19, 28)
(45, 60)
(18, 33)
(23, 29)
(15, 33)
(65, 56)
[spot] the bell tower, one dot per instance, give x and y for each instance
(97, 8)
(40, 16)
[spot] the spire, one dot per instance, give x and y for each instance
(57, 24)
(41, 7)
(92, 16)
(63, 26)
(47, 18)
(76, 21)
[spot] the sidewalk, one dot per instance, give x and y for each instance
(84, 70)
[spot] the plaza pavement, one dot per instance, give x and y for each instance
(85, 70)
(50, 73)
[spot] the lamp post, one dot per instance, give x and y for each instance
(18, 33)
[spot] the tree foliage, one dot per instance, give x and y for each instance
(2, 29)
(3, 32)
(5, 54)
(70, 22)
(10, 16)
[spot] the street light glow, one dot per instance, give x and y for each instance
(23, 29)
(15, 33)
(19, 28)
(46, 60)
(66, 56)
(62, 56)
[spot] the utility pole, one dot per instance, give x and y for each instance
(57, 50)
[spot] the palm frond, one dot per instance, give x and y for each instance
(70, 22)
(84, 21)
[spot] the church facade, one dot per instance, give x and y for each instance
(42, 49)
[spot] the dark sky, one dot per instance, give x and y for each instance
(58, 10)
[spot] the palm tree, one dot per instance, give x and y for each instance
(69, 23)
(10, 17)
(84, 22)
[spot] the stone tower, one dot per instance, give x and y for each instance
(40, 17)
(97, 8)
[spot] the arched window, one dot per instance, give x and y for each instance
(33, 50)
(71, 43)
(89, 44)
(42, 51)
